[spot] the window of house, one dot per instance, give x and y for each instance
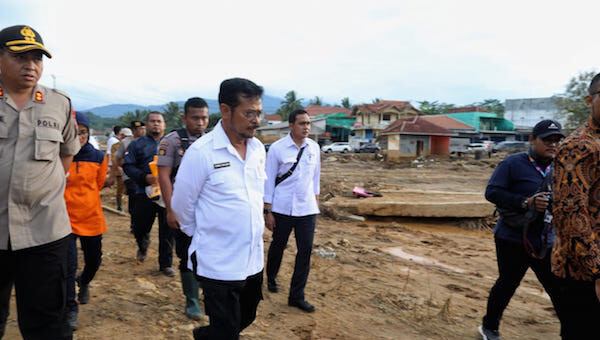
(385, 117)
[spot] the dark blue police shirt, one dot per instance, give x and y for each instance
(514, 180)
(139, 153)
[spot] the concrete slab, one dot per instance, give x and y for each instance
(417, 203)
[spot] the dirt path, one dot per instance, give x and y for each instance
(436, 289)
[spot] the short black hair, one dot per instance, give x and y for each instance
(116, 129)
(232, 89)
(195, 102)
(293, 114)
(594, 84)
(153, 113)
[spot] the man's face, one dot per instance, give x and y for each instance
(155, 125)
(21, 71)
(196, 120)
(593, 102)
(139, 131)
(83, 134)
(301, 127)
(245, 119)
(545, 148)
(120, 135)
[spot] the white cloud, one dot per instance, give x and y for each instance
(149, 52)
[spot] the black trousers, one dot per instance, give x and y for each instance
(513, 263)
(39, 276)
(182, 244)
(580, 309)
(130, 187)
(230, 305)
(304, 231)
(92, 257)
(144, 213)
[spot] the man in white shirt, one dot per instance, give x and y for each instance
(291, 202)
(217, 199)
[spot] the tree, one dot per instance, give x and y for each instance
(572, 103)
(317, 101)
(346, 102)
(434, 108)
(376, 100)
(127, 117)
(291, 103)
(172, 114)
(492, 105)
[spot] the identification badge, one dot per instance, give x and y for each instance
(547, 217)
(221, 165)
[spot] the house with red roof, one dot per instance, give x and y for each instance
(315, 110)
(374, 118)
(272, 119)
(414, 137)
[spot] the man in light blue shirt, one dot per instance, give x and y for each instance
(217, 198)
(291, 202)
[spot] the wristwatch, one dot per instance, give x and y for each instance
(266, 211)
(524, 204)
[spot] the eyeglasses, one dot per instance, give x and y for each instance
(252, 114)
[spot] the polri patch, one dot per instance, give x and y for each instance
(1, 92)
(221, 165)
(162, 152)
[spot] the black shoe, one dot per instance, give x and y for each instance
(489, 334)
(200, 333)
(84, 292)
(141, 255)
(272, 285)
(302, 304)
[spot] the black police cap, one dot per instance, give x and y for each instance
(21, 38)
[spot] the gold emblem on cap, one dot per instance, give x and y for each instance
(28, 34)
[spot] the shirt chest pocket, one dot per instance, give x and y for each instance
(310, 160)
(47, 144)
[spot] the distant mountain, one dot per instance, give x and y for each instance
(270, 105)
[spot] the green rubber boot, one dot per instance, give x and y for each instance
(190, 290)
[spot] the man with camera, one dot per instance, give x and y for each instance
(521, 189)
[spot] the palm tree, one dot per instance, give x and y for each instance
(291, 103)
(317, 101)
(172, 115)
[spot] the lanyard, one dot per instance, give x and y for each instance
(544, 173)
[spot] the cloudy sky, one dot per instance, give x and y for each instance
(151, 52)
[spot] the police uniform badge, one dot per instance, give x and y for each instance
(181, 152)
(1, 92)
(39, 97)
(162, 152)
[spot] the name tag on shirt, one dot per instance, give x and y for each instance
(221, 165)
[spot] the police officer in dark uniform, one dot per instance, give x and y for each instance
(170, 152)
(138, 155)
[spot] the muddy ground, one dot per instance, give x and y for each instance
(378, 279)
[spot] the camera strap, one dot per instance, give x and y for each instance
(547, 221)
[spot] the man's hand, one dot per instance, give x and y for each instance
(540, 200)
(150, 179)
(270, 221)
(172, 220)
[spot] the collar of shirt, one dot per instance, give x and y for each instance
(290, 141)
(221, 141)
